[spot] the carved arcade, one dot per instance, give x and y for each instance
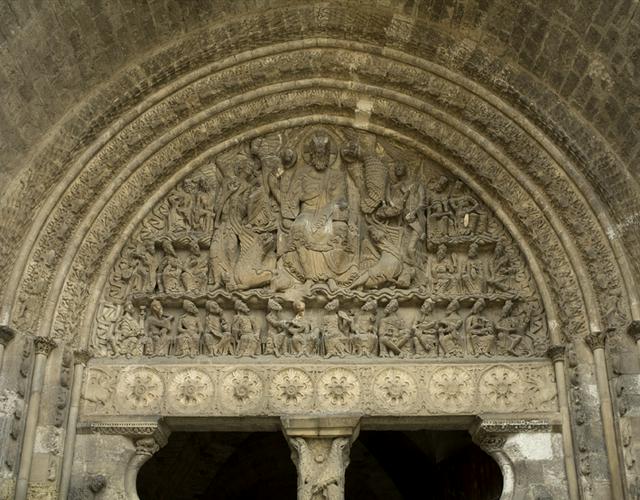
(320, 243)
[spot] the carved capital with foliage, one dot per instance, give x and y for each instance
(82, 356)
(595, 340)
(556, 352)
(43, 345)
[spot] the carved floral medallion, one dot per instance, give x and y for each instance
(190, 388)
(338, 388)
(241, 389)
(395, 389)
(291, 389)
(502, 387)
(451, 389)
(140, 389)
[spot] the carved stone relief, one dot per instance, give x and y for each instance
(276, 388)
(322, 243)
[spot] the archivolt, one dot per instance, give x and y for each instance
(472, 132)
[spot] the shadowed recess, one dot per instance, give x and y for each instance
(384, 465)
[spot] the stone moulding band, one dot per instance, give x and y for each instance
(275, 389)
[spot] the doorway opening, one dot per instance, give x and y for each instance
(385, 465)
(424, 465)
(221, 466)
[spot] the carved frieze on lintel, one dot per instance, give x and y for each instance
(338, 388)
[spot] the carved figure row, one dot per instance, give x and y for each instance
(367, 331)
(171, 272)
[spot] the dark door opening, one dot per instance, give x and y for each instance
(384, 465)
(220, 466)
(425, 465)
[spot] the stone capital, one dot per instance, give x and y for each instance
(6, 334)
(595, 340)
(43, 345)
(320, 450)
(82, 356)
(634, 330)
(556, 352)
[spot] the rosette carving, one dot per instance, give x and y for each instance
(291, 389)
(241, 389)
(190, 388)
(338, 388)
(395, 389)
(452, 389)
(139, 389)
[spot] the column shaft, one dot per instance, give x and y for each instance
(70, 434)
(608, 422)
(43, 347)
(567, 436)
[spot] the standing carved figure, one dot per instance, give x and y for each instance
(364, 338)
(129, 332)
(146, 275)
(449, 334)
(244, 331)
(216, 338)
(444, 270)
(276, 329)
(472, 275)
(189, 331)
(331, 331)
(297, 341)
(512, 336)
(392, 331)
(372, 175)
(172, 273)
(502, 271)
(480, 332)
(440, 219)
(425, 331)
(203, 209)
(194, 270)
(232, 199)
(158, 326)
